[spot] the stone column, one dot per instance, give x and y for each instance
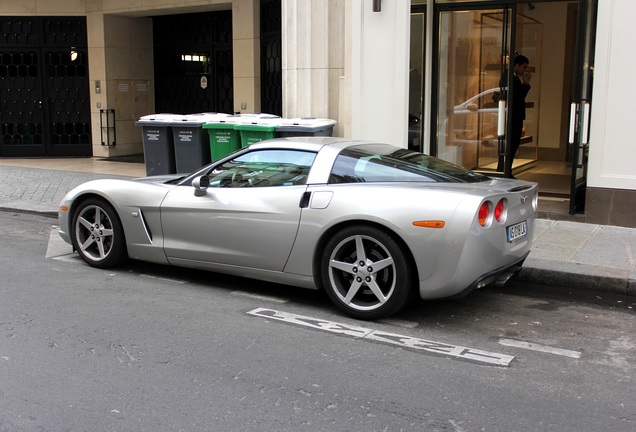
(246, 55)
(313, 57)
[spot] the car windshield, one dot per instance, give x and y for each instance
(263, 168)
(383, 163)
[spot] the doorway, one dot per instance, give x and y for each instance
(476, 43)
(553, 169)
(44, 87)
(193, 63)
(271, 57)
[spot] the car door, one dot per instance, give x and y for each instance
(248, 216)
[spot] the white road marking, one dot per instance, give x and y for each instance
(260, 297)
(72, 257)
(540, 348)
(57, 247)
(407, 342)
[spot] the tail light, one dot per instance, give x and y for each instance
(484, 213)
(488, 212)
(500, 210)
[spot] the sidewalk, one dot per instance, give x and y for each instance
(565, 255)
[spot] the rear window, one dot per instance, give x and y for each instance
(383, 163)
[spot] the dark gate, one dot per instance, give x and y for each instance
(271, 58)
(193, 63)
(44, 87)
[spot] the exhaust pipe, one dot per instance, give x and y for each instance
(504, 277)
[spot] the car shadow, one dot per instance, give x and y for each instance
(488, 304)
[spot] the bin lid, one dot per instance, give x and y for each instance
(204, 117)
(262, 115)
(163, 117)
(158, 119)
(197, 119)
(305, 124)
(229, 121)
(267, 124)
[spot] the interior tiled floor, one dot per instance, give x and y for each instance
(553, 177)
(551, 167)
(554, 189)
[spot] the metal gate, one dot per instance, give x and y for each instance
(193, 63)
(44, 87)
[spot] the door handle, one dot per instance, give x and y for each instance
(501, 118)
(304, 200)
(572, 122)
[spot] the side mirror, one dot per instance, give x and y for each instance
(200, 185)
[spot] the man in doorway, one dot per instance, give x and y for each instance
(520, 89)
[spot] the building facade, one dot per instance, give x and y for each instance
(431, 75)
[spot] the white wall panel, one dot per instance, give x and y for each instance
(612, 162)
(378, 73)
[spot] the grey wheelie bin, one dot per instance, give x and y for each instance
(158, 143)
(191, 146)
(305, 126)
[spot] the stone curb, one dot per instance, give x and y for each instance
(578, 276)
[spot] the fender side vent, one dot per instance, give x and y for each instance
(145, 225)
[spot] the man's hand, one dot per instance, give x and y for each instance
(525, 78)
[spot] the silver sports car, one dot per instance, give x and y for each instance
(371, 224)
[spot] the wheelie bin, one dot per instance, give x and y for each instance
(191, 147)
(305, 126)
(158, 143)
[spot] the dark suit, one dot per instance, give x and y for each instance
(517, 115)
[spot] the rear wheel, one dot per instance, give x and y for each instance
(98, 235)
(366, 273)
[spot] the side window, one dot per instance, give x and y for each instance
(264, 168)
(352, 166)
(365, 169)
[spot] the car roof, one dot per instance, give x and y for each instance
(327, 149)
(310, 143)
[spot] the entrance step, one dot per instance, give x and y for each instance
(555, 208)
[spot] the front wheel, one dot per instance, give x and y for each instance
(366, 273)
(98, 235)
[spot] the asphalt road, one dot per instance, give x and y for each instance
(151, 348)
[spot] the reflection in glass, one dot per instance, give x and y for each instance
(472, 60)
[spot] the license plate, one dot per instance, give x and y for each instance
(517, 231)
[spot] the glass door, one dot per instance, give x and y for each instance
(473, 52)
(578, 142)
(527, 39)
(475, 65)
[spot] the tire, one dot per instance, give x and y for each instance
(366, 273)
(98, 235)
